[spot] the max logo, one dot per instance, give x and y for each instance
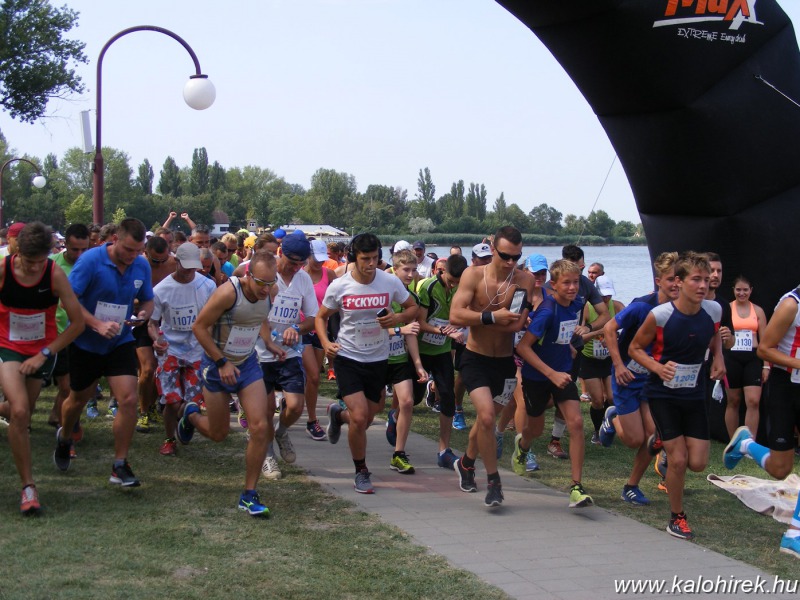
(735, 12)
(365, 301)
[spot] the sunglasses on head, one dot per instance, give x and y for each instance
(504, 256)
(262, 282)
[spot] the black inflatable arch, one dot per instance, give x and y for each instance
(710, 150)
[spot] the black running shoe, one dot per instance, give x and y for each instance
(123, 475)
(466, 478)
(494, 494)
(61, 455)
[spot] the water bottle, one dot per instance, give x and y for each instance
(278, 339)
(161, 341)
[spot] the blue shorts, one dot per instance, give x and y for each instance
(628, 398)
(288, 376)
(249, 371)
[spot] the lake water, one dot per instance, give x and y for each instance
(628, 267)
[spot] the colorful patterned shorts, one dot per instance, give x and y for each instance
(179, 380)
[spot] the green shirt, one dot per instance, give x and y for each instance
(434, 296)
(61, 315)
(398, 353)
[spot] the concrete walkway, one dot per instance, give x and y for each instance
(534, 546)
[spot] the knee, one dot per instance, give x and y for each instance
(312, 378)
(20, 413)
(147, 370)
(779, 469)
(257, 429)
(678, 461)
(128, 400)
(635, 440)
(486, 421)
(359, 419)
(575, 423)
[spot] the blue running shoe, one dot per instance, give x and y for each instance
(733, 453)
(607, 431)
(91, 409)
(498, 437)
(185, 430)
(531, 464)
(391, 428)
(459, 423)
(251, 504)
(633, 495)
(790, 545)
(447, 460)
(334, 424)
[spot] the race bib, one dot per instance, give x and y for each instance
(369, 335)
(397, 345)
(503, 398)
(241, 340)
(685, 377)
(565, 331)
(108, 311)
(181, 318)
(635, 367)
(26, 328)
(599, 351)
(435, 339)
(518, 338)
(744, 341)
(286, 309)
(795, 378)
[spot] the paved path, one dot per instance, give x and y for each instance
(533, 547)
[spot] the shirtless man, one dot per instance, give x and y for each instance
(482, 303)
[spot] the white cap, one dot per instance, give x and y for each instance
(319, 250)
(188, 255)
(481, 250)
(402, 245)
(605, 286)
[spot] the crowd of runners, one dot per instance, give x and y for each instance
(186, 331)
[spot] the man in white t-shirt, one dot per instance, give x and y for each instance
(178, 300)
(360, 354)
(424, 262)
(295, 297)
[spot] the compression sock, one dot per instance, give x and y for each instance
(757, 452)
(467, 462)
(360, 463)
(559, 426)
(597, 415)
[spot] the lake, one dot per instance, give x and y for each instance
(628, 267)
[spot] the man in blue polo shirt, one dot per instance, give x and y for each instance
(107, 280)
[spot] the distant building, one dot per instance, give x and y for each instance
(222, 224)
(318, 231)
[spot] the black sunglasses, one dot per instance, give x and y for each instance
(504, 256)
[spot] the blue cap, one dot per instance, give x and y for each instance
(279, 233)
(536, 262)
(296, 247)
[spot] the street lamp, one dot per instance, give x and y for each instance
(199, 93)
(38, 181)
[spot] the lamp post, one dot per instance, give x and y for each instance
(39, 181)
(199, 93)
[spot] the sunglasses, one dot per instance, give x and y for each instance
(504, 256)
(262, 282)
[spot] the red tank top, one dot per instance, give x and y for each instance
(27, 313)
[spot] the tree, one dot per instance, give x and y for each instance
(546, 220)
(119, 216)
(500, 207)
(599, 223)
(420, 225)
(170, 182)
(36, 62)
(331, 192)
(198, 175)
(516, 216)
(144, 180)
(79, 211)
(624, 229)
(425, 201)
(216, 177)
(475, 204)
(574, 225)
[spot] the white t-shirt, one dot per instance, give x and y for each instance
(425, 268)
(292, 299)
(177, 306)
(360, 335)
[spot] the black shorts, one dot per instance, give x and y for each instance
(353, 376)
(782, 403)
(288, 376)
(478, 370)
(441, 367)
(402, 371)
(87, 367)
(537, 395)
(675, 417)
(312, 339)
(595, 368)
(575, 371)
(458, 353)
(743, 369)
(141, 337)
(62, 363)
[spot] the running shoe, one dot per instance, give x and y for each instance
(123, 475)
(61, 456)
(362, 484)
(3, 421)
(459, 423)
(153, 416)
(242, 419)
(578, 498)
(531, 464)
(660, 466)
(285, 446)
(466, 477)
(555, 450)
(679, 528)
(447, 459)
(391, 428)
(654, 444)
(494, 494)
(270, 468)
(91, 409)
(113, 405)
(498, 438)
(607, 430)
(143, 424)
(185, 430)
(29, 504)
(595, 441)
(662, 486)
(169, 447)
(250, 503)
(586, 398)
(315, 431)
(389, 391)
(401, 464)
(77, 431)
(331, 375)
(430, 395)
(73, 454)
(633, 495)
(733, 451)
(334, 422)
(518, 457)
(790, 545)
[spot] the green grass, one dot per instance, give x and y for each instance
(180, 535)
(719, 520)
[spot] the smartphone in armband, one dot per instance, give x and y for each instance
(519, 301)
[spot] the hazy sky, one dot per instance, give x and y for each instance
(375, 88)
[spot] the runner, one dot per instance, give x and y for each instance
(681, 332)
(32, 286)
(227, 328)
(361, 350)
(482, 303)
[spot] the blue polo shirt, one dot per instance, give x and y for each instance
(553, 326)
(94, 278)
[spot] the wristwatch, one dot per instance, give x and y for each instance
(221, 362)
(397, 331)
(46, 351)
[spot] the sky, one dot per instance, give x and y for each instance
(376, 88)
